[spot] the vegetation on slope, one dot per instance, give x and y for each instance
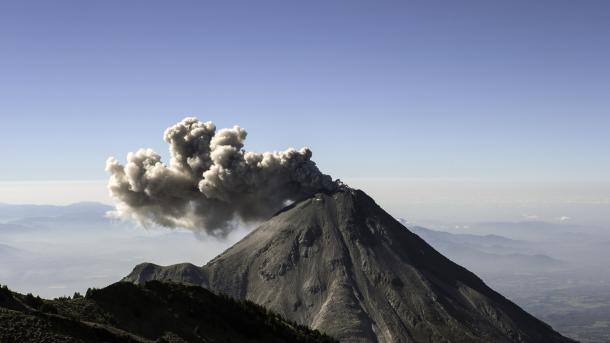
(153, 312)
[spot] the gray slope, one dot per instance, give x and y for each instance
(339, 263)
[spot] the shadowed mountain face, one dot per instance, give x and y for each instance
(341, 264)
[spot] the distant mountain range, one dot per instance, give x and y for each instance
(11, 212)
(530, 230)
(488, 253)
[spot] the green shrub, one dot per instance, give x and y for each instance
(32, 301)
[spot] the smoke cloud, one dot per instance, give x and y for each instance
(211, 181)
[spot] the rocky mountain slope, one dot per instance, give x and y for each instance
(339, 263)
(154, 312)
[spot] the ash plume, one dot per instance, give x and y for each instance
(211, 181)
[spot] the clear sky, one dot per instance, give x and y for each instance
(493, 90)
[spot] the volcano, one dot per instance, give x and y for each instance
(340, 264)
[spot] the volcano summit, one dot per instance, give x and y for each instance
(338, 262)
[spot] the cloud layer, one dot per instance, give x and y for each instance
(211, 181)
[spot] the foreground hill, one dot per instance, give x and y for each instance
(339, 263)
(154, 312)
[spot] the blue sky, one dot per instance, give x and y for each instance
(513, 90)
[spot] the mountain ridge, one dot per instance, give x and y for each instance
(156, 312)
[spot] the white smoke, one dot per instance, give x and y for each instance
(211, 181)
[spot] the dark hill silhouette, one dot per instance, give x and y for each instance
(154, 312)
